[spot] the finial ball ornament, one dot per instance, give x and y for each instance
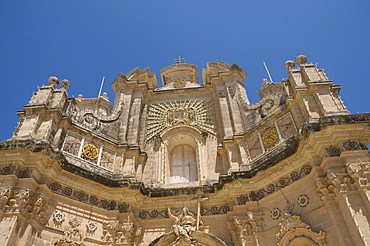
(300, 60)
(289, 64)
(65, 84)
(53, 81)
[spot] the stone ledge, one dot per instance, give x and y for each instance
(118, 180)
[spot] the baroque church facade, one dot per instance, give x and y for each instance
(188, 163)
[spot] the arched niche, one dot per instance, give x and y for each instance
(182, 160)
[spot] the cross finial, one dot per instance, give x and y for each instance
(179, 60)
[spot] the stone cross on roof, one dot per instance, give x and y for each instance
(179, 60)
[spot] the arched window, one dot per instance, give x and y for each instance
(183, 166)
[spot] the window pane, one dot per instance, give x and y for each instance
(183, 165)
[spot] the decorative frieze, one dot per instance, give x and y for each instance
(353, 145)
(275, 186)
(204, 211)
(88, 198)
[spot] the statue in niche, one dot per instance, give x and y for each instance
(184, 225)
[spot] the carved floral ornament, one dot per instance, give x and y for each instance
(166, 115)
(58, 217)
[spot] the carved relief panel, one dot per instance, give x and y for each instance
(166, 115)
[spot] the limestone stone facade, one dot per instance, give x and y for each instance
(188, 163)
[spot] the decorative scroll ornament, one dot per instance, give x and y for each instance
(93, 119)
(163, 116)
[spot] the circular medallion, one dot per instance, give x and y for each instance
(270, 137)
(275, 213)
(90, 151)
(303, 200)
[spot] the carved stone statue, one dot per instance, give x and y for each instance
(183, 226)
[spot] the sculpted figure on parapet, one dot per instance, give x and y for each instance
(185, 223)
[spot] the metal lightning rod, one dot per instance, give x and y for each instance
(268, 73)
(101, 86)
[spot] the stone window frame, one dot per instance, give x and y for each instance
(167, 138)
(101, 148)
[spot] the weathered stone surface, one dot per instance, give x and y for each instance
(189, 163)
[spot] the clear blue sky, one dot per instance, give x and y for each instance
(85, 40)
